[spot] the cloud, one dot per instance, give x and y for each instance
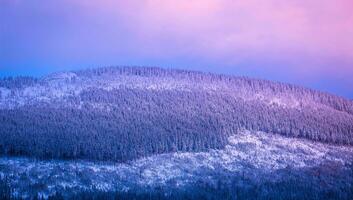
(295, 39)
(223, 29)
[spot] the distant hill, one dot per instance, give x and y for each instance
(122, 113)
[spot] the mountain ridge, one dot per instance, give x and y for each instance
(152, 71)
(123, 113)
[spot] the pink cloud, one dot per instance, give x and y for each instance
(313, 38)
(223, 27)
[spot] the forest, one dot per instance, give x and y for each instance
(293, 184)
(126, 123)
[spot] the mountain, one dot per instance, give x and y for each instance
(124, 113)
(153, 133)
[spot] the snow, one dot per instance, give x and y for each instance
(59, 86)
(4, 92)
(247, 151)
(68, 76)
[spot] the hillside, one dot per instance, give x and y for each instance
(254, 165)
(124, 113)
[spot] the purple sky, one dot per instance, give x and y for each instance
(308, 43)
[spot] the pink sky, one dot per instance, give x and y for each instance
(292, 41)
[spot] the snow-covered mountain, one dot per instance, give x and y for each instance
(173, 131)
(121, 113)
(16, 92)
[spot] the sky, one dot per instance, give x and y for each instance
(307, 43)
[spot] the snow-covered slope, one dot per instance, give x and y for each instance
(174, 134)
(258, 157)
(60, 86)
(123, 113)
